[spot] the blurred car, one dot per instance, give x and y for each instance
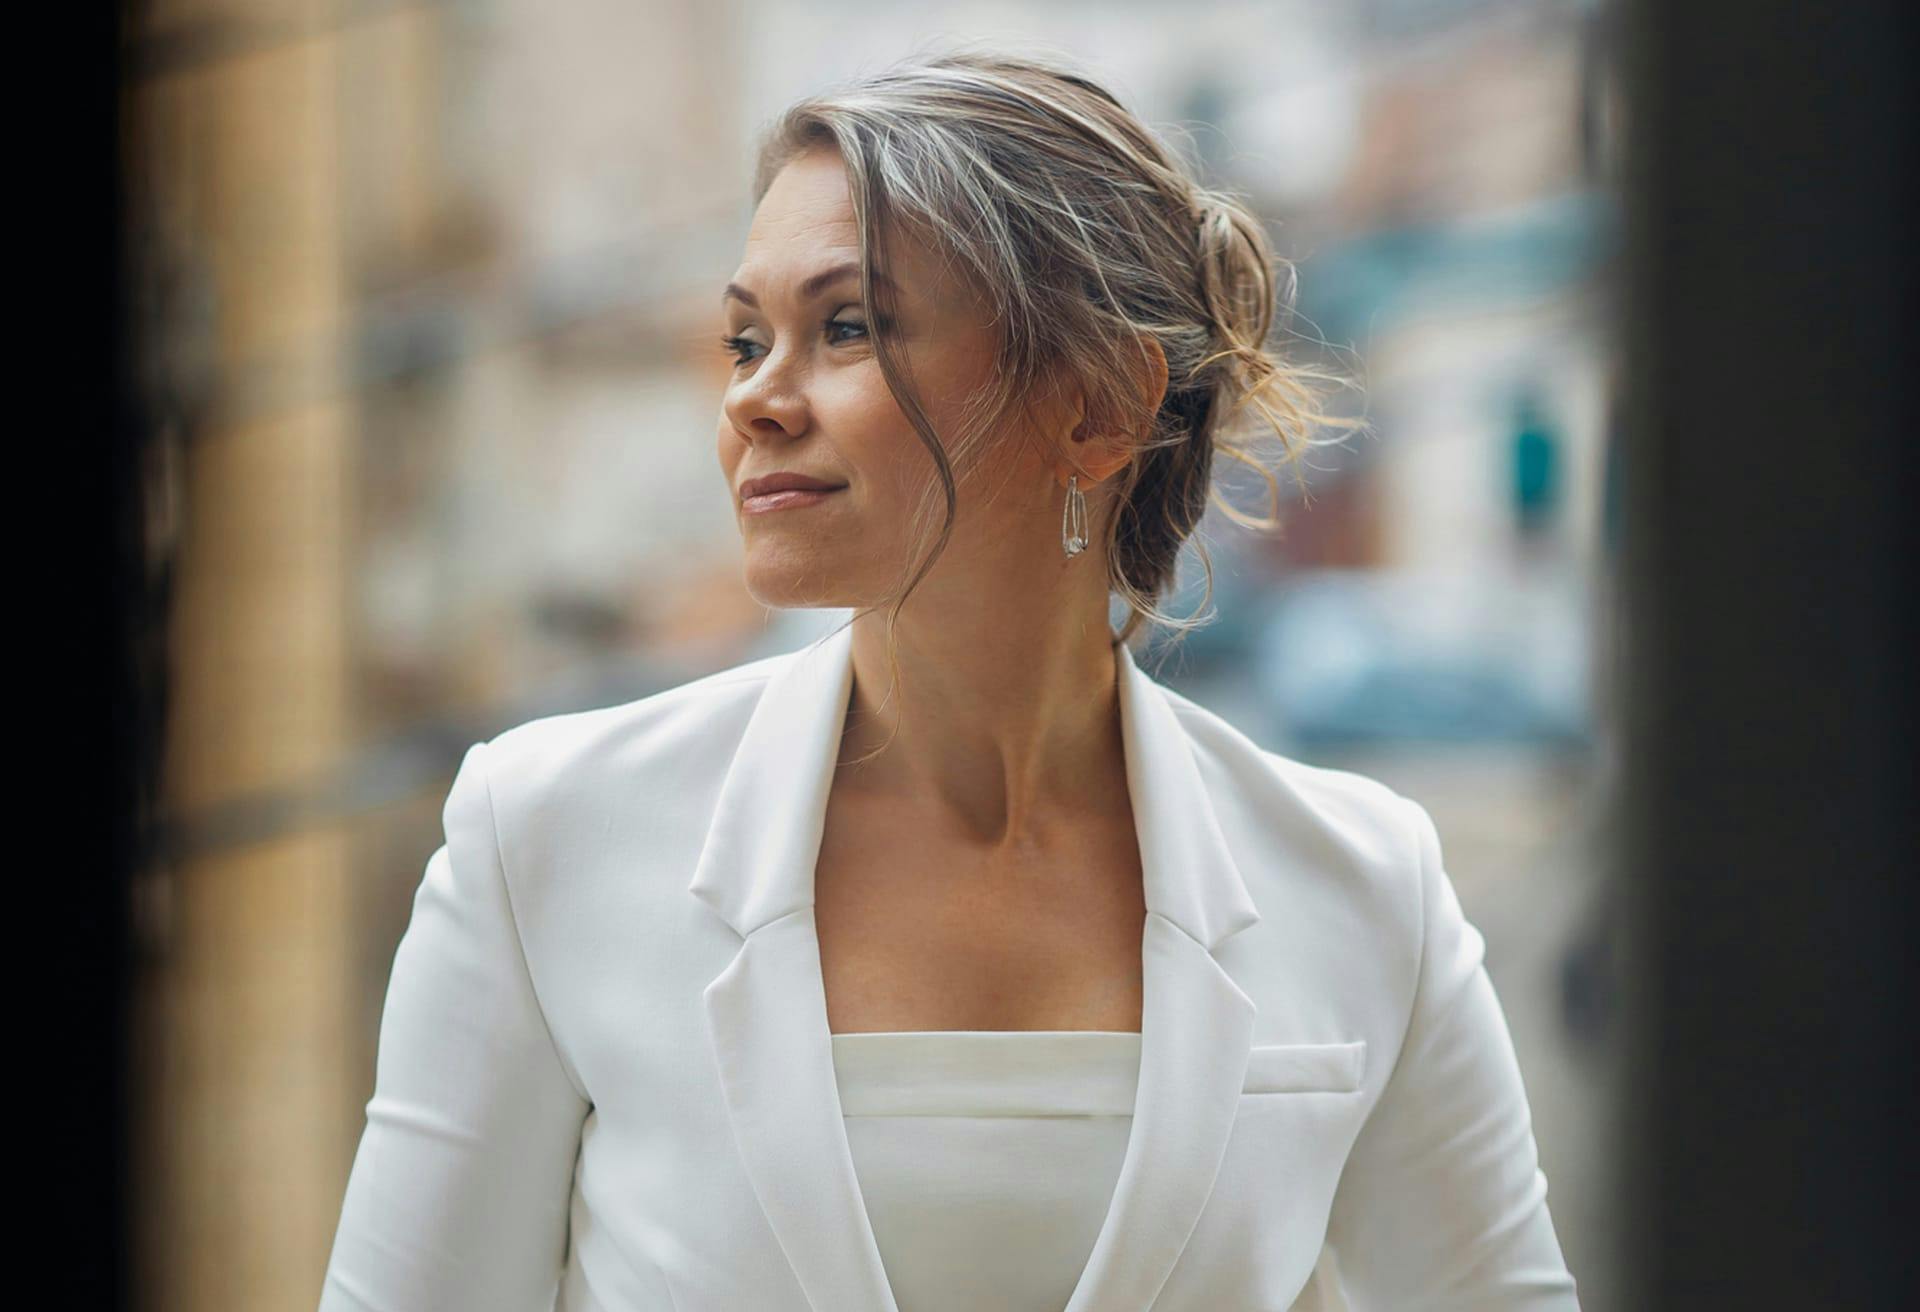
(1349, 656)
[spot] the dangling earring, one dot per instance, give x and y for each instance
(1073, 519)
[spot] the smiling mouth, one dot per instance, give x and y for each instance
(792, 498)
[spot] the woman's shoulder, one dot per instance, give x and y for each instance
(1360, 831)
(1230, 758)
(676, 727)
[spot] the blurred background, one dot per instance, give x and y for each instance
(423, 302)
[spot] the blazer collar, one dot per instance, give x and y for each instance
(757, 862)
(766, 1010)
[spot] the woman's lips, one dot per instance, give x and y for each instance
(788, 499)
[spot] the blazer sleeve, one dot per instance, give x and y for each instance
(1442, 1204)
(460, 1190)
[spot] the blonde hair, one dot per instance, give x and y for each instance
(1083, 233)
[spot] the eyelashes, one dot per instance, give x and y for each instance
(738, 346)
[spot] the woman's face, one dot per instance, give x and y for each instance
(807, 397)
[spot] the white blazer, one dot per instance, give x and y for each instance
(605, 1077)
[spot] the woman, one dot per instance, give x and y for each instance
(952, 961)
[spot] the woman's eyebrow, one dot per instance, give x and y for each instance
(811, 287)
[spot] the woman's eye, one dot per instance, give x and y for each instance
(739, 346)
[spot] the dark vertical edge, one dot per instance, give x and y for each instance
(77, 410)
(1768, 851)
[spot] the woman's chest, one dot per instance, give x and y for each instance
(921, 931)
(706, 1056)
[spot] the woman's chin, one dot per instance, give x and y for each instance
(784, 587)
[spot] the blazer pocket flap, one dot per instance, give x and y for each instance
(1305, 1067)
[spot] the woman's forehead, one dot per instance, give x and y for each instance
(805, 230)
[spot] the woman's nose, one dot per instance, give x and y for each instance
(771, 404)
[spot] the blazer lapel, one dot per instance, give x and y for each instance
(766, 1010)
(1196, 1027)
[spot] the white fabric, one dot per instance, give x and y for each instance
(605, 1079)
(986, 1159)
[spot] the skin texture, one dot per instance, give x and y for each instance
(992, 843)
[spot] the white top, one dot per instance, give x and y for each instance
(986, 1158)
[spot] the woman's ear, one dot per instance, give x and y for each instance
(1093, 460)
(1150, 373)
(1097, 460)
